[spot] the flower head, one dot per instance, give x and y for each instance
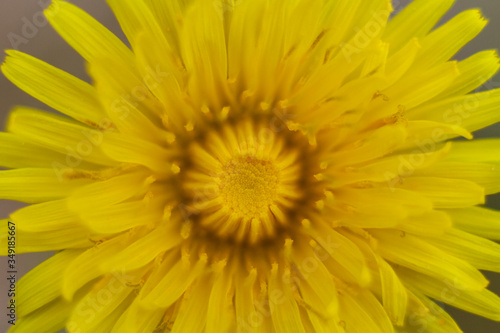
(256, 166)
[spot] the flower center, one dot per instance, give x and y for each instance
(248, 186)
(245, 182)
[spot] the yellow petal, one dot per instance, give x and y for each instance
(126, 98)
(87, 36)
(244, 300)
(94, 309)
(471, 112)
(164, 76)
(446, 192)
(54, 87)
(137, 151)
(380, 143)
(330, 240)
(144, 250)
(120, 217)
(317, 282)
(47, 216)
(444, 42)
(390, 204)
(17, 152)
(416, 20)
(474, 71)
(111, 319)
(168, 14)
(319, 322)
(286, 316)
(109, 192)
(485, 175)
(43, 283)
(193, 307)
(76, 141)
(420, 256)
(452, 291)
(48, 226)
(135, 17)
(476, 151)
(386, 169)
(425, 314)
(25, 184)
(431, 224)
(412, 91)
(480, 252)
(394, 295)
(425, 135)
(83, 268)
(363, 313)
(50, 318)
(136, 319)
(400, 62)
(69, 238)
(480, 221)
(220, 310)
(170, 287)
(204, 53)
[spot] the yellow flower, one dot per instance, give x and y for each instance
(255, 166)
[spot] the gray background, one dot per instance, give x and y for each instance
(45, 44)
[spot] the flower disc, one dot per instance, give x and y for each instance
(247, 183)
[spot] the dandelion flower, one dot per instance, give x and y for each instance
(256, 166)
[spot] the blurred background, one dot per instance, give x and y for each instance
(22, 26)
